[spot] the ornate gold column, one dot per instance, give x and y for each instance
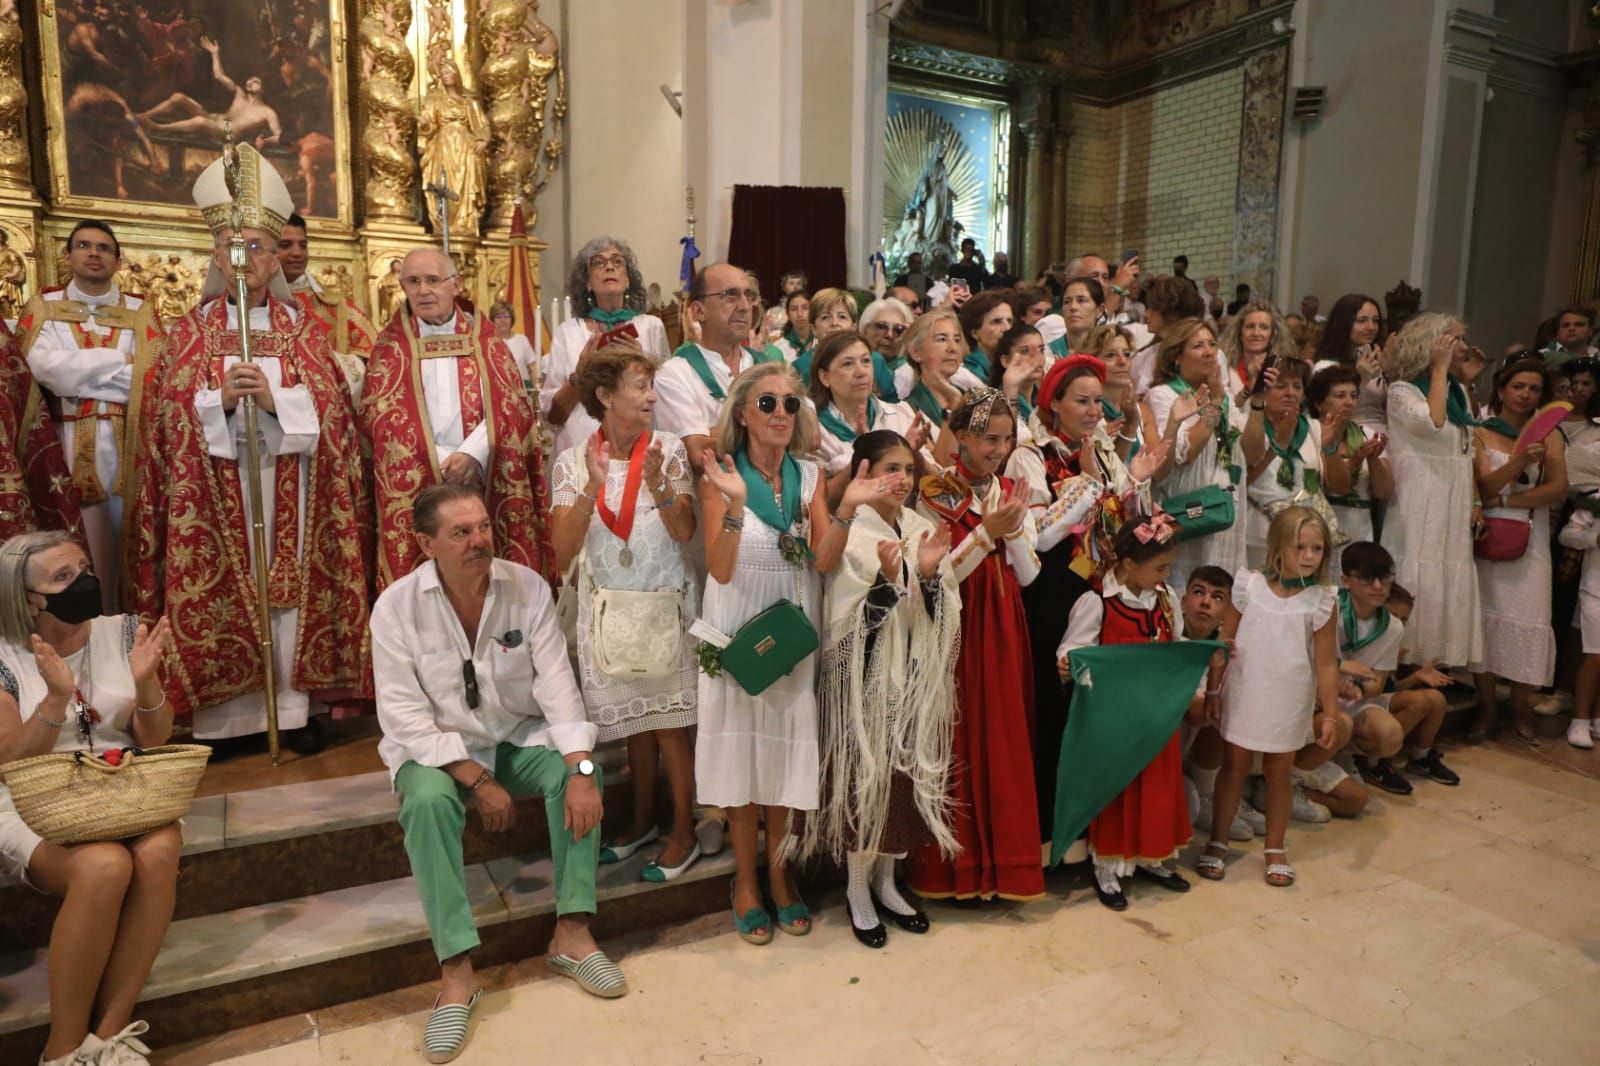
(14, 169)
(388, 120)
(520, 56)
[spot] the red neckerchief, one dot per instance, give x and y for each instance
(622, 524)
(1059, 465)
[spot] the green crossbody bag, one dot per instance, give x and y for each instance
(769, 647)
(1202, 512)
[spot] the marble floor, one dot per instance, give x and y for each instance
(1457, 926)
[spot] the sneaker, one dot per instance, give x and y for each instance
(1304, 809)
(1238, 830)
(1552, 704)
(1579, 734)
(1432, 767)
(1253, 819)
(1594, 728)
(1380, 774)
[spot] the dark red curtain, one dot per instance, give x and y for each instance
(782, 228)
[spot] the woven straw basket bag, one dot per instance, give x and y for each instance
(76, 797)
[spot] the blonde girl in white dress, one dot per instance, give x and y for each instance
(624, 498)
(1285, 663)
(769, 535)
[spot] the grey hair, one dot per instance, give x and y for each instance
(876, 309)
(16, 624)
(731, 433)
(578, 277)
(1413, 347)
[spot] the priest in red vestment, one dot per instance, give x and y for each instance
(444, 401)
(35, 486)
(993, 535)
(351, 333)
(189, 528)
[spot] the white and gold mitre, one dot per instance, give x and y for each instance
(265, 203)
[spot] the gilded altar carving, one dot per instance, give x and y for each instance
(454, 137)
(14, 168)
(386, 70)
(520, 57)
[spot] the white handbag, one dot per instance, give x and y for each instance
(636, 634)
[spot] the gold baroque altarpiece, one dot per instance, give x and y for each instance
(108, 109)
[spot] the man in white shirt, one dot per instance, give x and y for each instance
(477, 699)
(85, 344)
(691, 386)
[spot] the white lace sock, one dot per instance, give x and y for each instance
(863, 915)
(1109, 881)
(883, 885)
(1159, 868)
(1205, 781)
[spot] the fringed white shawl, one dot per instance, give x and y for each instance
(890, 711)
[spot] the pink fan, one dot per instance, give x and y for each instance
(1543, 421)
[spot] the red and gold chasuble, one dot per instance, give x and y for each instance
(394, 418)
(996, 817)
(187, 537)
(1149, 819)
(349, 331)
(35, 488)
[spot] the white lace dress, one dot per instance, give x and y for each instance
(1225, 548)
(1519, 643)
(1428, 530)
(761, 749)
(624, 706)
(1272, 681)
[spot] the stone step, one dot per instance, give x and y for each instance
(254, 963)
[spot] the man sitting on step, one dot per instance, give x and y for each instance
(477, 700)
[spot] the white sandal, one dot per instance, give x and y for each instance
(1209, 866)
(1280, 870)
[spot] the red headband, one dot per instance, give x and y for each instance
(1057, 374)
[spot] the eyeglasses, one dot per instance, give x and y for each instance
(469, 677)
(431, 281)
(767, 403)
(914, 303)
(615, 262)
(1381, 579)
(893, 329)
(81, 245)
(733, 296)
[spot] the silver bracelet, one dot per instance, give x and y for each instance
(152, 710)
(47, 720)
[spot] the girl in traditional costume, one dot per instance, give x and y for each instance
(1140, 831)
(996, 819)
(887, 694)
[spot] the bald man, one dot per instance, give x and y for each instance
(470, 423)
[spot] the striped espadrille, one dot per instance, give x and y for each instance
(595, 974)
(447, 1029)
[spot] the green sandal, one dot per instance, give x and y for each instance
(795, 919)
(748, 924)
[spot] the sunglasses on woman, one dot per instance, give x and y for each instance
(767, 403)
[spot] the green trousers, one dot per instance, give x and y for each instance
(433, 813)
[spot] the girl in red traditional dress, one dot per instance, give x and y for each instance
(1140, 831)
(996, 820)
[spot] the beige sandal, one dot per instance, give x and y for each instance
(1279, 874)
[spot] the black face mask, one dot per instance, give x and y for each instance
(78, 602)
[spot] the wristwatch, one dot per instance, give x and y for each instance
(581, 768)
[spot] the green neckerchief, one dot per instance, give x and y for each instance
(692, 354)
(1024, 408)
(978, 363)
(611, 319)
(1290, 454)
(794, 340)
(759, 496)
(883, 379)
(1059, 347)
(1501, 426)
(923, 399)
(1226, 434)
(1292, 582)
(829, 417)
(1347, 623)
(1455, 405)
(1111, 415)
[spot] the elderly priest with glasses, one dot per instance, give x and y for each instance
(477, 702)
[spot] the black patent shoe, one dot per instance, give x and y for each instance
(1170, 880)
(1115, 900)
(916, 922)
(875, 937)
(311, 739)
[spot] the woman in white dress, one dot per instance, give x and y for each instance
(933, 378)
(1283, 454)
(1257, 330)
(72, 680)
(1205, 452)
(796, 338)
(769, 535)
(1331, 397)
(842, 388)
(832, 311)
(607, 293)
(1521, 485)
(1354, 337)
(624, 498)
(505, 320)
(1430, 523)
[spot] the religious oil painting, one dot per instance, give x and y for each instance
(139, 91)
